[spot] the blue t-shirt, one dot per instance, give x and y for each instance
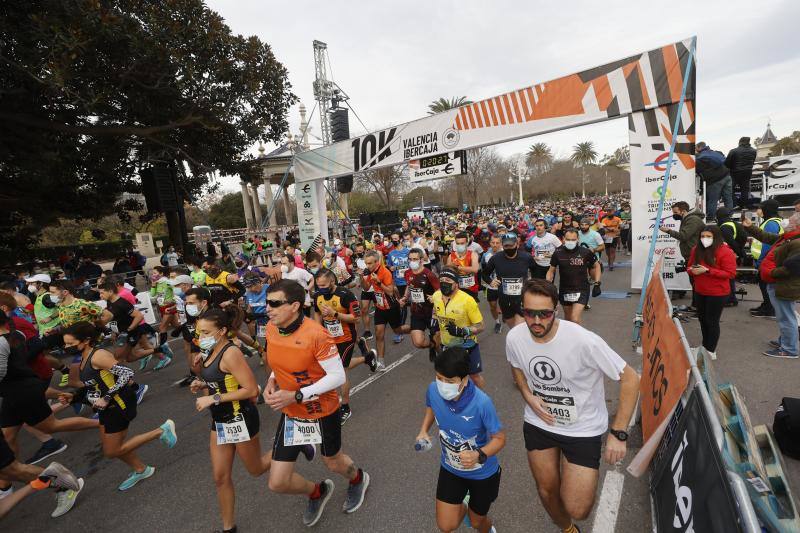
(399, 260)
(465, 424)
(258, 301)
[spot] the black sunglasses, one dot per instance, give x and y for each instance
(538, 313)
(277, 303)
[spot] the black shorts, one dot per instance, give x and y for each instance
(492, 294)
(25, 405)
(401, 290)
(583, 299)
(251, 420)
(482, 492)
(391, 316)
(367, 296)
(422, 323)
(331, 429)
(346, 352)
(583, 451)
(115, 419)
(6, 454)
(510, 306)
(540, 272)
(475, 365)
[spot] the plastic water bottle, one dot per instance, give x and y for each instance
(422, 445)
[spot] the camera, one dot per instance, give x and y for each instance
(680, 266)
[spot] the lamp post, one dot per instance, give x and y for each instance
(521, 170)
(510, 190)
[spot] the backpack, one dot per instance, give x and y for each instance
(786, 427)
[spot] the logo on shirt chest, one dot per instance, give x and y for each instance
(545, 370)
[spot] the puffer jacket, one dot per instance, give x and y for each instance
(740, 162)
(787, 285)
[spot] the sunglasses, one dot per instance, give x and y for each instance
(276, 303)
(538, 313)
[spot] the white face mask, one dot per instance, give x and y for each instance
(32, 289)
(448, 391)
(207, 343)
(570, 244)
(192, 310)
(55, 298)
(414, 265)
(461, 248)
(707, 241)
(284, 268)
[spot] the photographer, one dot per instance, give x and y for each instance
(712, 264)
(692, 223)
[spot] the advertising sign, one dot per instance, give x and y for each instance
(312, 218)
(437, 167)
(784, 175)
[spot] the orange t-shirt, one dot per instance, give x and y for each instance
(612, 226)
(295, 360)
(382, 300)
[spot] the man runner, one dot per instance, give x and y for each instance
(558, 367)
(422, 283)
(542, 245)
(492, 293)
(510, 270)
(387, 310)
(465, 263)
(574, 264)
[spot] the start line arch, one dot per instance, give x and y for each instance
(645, 87)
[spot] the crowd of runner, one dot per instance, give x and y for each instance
(303, 319)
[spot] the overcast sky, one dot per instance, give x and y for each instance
(394, 58)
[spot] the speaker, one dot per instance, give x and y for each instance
(340, 124)
(344, 184)
(158, 188)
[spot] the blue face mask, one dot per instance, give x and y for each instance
(326, 291)
(177, 291)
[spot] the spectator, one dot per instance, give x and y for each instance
(692, 223)
(712, 265)
(771, 223)
(779, 270)
(89, 270)
(710, 166)
(735, 237)
(740, 163)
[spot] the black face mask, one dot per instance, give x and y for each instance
(72, 351)
(447, 288)
(395, 243)
(359, 255)
(510, 252)
(677, 217)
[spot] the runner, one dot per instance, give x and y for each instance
(226, 289)
(387, 310)
(575, 264)
(111, 393)
(471, 436)
(230, 390)
(510, 271)
(306, 371)
(198, 300)
(301, 276)
(492, 293)
(367, 295)
(336, 308)
(558, 368)
(466, 264)
(590, 239)
(255, 298)
(542, 245)
(568, 221)
(162, 293)
(397, 263)
(422, 283)
(460, 321)
(612, 223)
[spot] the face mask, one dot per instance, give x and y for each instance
(314, 270)
(446, 288)
(192, 310)
(325, 291)
(677, 217)
(395, 243)
(212, 272)
(72, 351)
(414, 265)
(510, 252)
(191, 268)
(359, 255)
(560, 219)
(570, 244)
(707, 241)
(32, 289)
(55, 298)
(177, 291)
(284, 268)
(207, 343)
(461, 248)
(448, 391)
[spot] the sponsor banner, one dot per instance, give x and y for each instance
(784, 175)
(690, 488)
(639, 82)
(312, 215)
(650, 135)
(665, 364)
(437, 167)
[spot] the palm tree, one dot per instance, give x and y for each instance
(539, 158)
(583, 154)
(443, 104)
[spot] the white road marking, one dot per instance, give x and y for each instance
(377, 375)
(605, 519)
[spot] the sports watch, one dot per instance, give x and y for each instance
(217, 398)
(298, 396)
(621, 436)
(482, 457)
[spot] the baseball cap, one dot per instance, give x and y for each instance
(183, 278)
(44, 278)
(509, 237)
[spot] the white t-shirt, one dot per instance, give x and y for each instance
(542, 248)
(567, 373)
(301, 276)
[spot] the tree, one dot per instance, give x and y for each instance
(415, 196)
(444, 104)
(386, 183)
(787, 145)
(484, 163)
(228, 213)
(540, 158)
(91, 92)
(583, 154)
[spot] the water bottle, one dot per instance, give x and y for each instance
(422, 445)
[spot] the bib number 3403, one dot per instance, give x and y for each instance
(298, 432)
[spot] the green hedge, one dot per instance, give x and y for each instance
(101, 251)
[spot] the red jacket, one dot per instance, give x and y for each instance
(717, 281)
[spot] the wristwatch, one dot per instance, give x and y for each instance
(619, 434)
(217, 398)
(482, 457)
(298, 396)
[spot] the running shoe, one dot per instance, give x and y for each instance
(380, 366)
(309, 451)
(4, 493)
(362, 345)
(498, 327)
(57, 476)
(48, 449)
(367, 335)
(315, 506)
(168, 435)
(64, 380)
(65, 500)
(136, 477)
(779, 354)
(355, 494)
(763, 313)
(371, 358)
(166, 350)
(775, 344)
(345, 413)
(397, 339)
(144, 361)
(163, 363)
(140, 392)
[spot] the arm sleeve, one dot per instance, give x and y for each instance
(123, 375)
(334, 377)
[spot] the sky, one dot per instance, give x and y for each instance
(394, 58)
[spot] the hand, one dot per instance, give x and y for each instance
(203, 401)
(280, 399)
(746, 222)
(100, 404)
(699, 269)
(615, 450)
(538, 406)
(495, 283)
(65, 398)
(469, 458)
(423, 436)
(664, 229)
(596, 290)
(197, 359)
(402, 301)
(326, 311)
(197, 385)
(271, 387)
(456, 331)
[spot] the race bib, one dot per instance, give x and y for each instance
(261, 331)
(417, 296)
(160, 300)
(113, 327)
(572, 297)
(466, 282)
(562, 408)
(401, 273)
(298, 432)
(512, 286)
(451, 454)
(92, 395)
(232, 432)
(380, 299)
(334, 328)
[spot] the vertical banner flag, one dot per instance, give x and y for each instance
(650, 135)
(312, 216)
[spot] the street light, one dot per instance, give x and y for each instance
(521, 170)
(510, 189)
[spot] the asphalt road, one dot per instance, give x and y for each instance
(379, 437)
